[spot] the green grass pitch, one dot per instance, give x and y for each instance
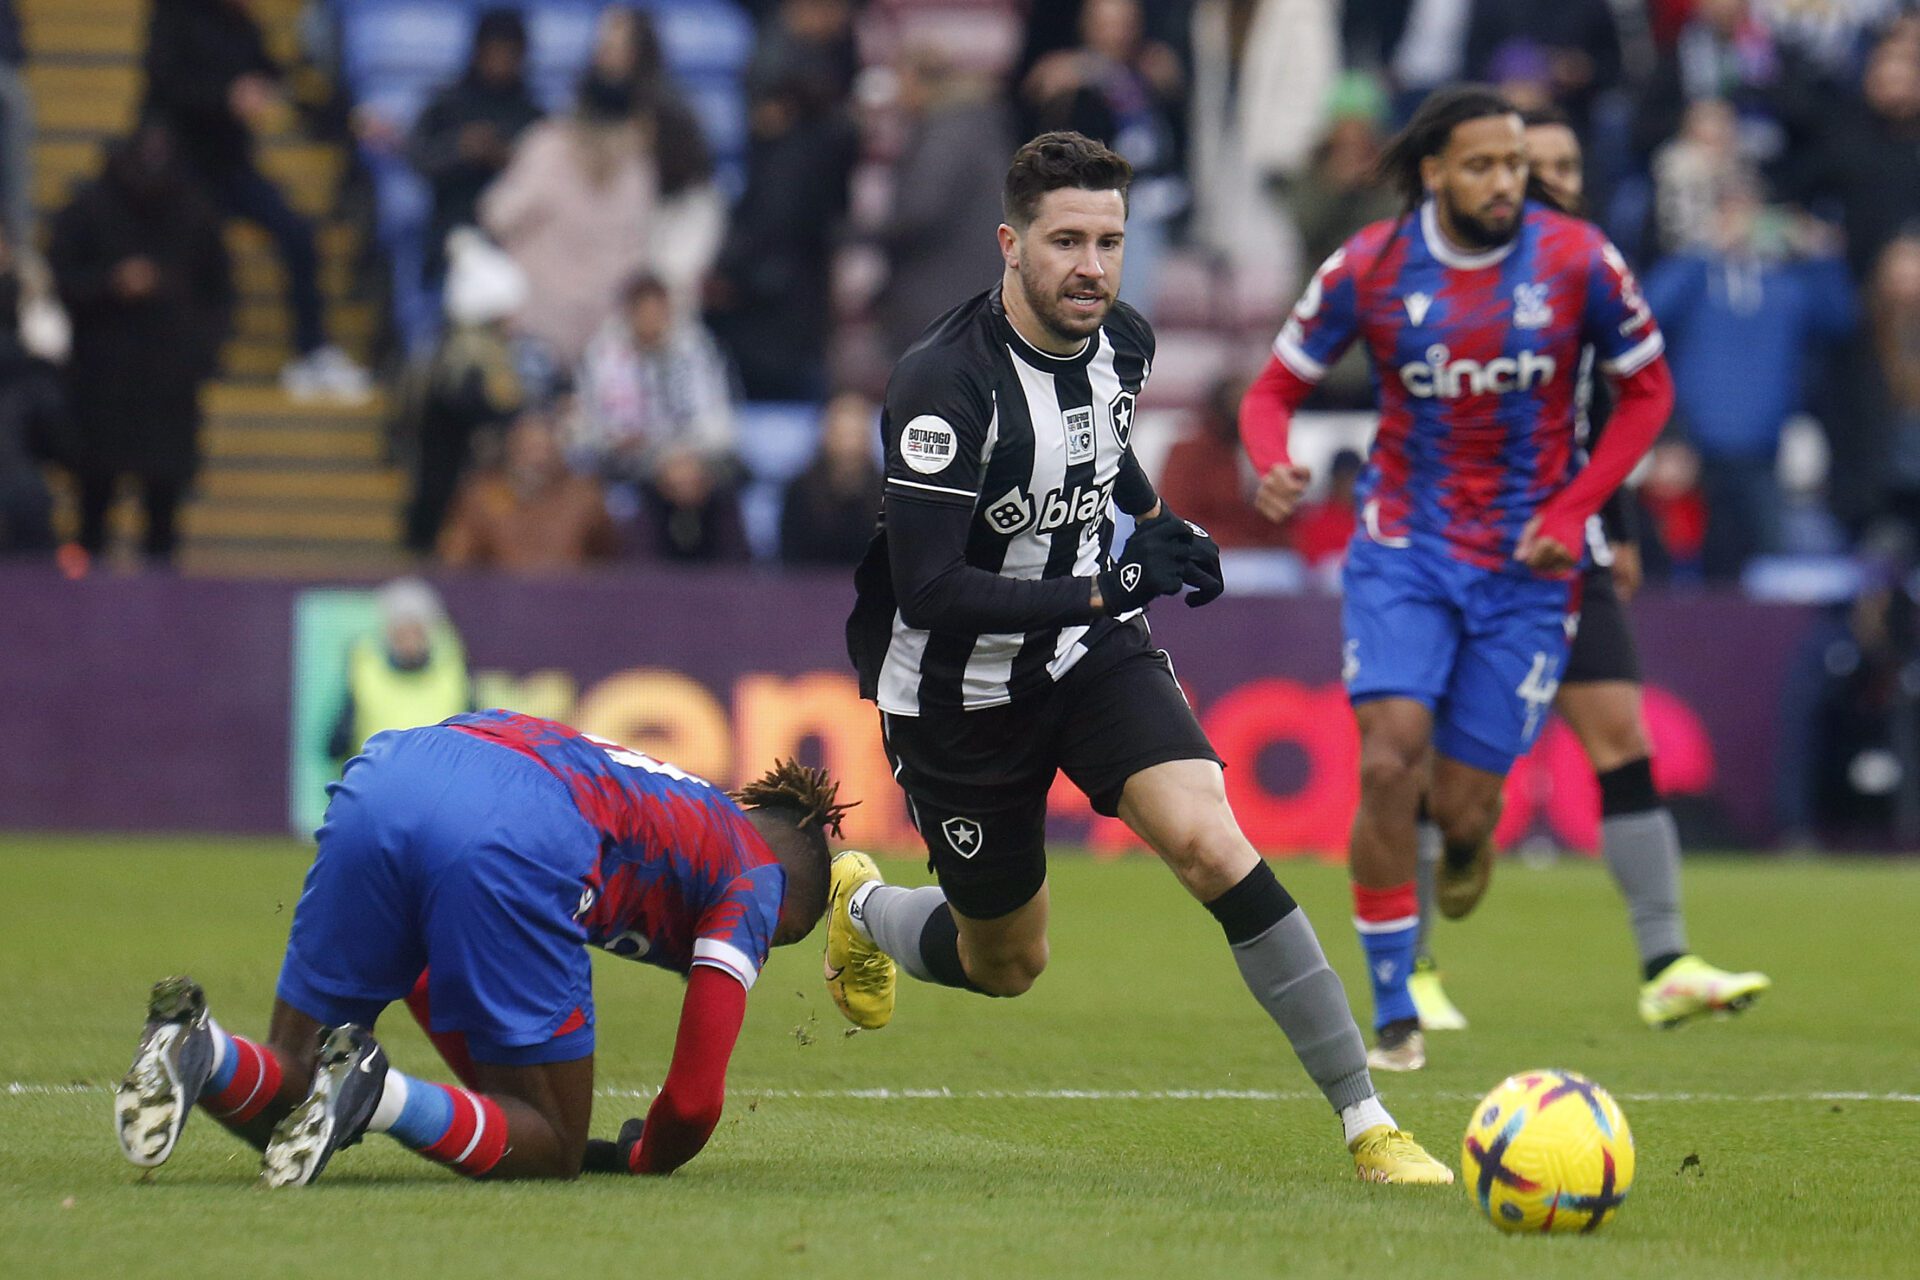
(1051, 1138)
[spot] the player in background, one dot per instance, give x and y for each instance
(1003, 643)
(1600, 700)
(1460, 586)
(489, 851)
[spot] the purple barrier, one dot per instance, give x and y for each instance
(160, 703)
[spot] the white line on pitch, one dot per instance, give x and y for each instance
(1214, 1095)
(19, 1088)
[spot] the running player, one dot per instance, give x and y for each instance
(489, 851)
(1460, 592)
(1600, 700)
(1003, 643)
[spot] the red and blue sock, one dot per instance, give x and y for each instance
(246, 1077)
(1388, 921)
(446, 1124)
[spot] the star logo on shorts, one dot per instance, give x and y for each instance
(963, 835)
(1130, 576)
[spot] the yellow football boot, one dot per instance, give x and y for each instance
(860, 976)
(1690, 988)
(1382, 1154)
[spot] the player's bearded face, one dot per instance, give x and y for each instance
(1480, 180)
(1069, 260)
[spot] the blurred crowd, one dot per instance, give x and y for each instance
(595, 270)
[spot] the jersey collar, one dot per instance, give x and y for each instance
(1447, 255)
(1044, 360)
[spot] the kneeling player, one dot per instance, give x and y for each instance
(470, 864)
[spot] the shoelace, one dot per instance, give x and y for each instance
(869, 970)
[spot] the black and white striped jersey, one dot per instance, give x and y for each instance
(1003, 463)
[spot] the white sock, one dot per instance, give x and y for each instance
(393, 1100)
(857, 907)
(1364, 1115)
(222, 1046)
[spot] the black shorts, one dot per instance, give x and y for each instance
(977, 781)
(1603, 646)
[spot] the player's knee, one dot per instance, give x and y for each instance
(1208, 843)
(1010, 973)
(1616, 741)
(1388, 774)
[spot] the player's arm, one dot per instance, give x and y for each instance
(1623, 330)
(1643, 401)
(1619, 515)
(939, 591)
(1315, 335)
(1266, 417)
(731, 939)
(937, 423)
(683, 1117)
(688, 1108)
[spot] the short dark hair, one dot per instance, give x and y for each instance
(1429, 132)
(1056, 160)
(500, 26)
(1542, 117)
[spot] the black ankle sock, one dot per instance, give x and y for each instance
(1253, 906)
(1628, 789)
(1658, 965)
(940, 951)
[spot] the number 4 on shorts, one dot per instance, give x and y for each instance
(1537, 691)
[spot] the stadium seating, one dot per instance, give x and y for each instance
(395, 53)
(776, 443)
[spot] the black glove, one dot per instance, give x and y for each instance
(602, 1156)
(1203, 570)
(1154, 563)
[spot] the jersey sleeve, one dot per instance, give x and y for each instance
(735, 932)
(1133, 491)
(1618, 322)
(1324, 321)
(936, 423)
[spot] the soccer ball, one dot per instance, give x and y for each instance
(1548, 1151)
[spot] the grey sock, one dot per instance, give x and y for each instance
(1643, 852)
(1288, 974)
(1430, 851)
(896, 917)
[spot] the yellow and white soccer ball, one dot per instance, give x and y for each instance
(1548, 1150)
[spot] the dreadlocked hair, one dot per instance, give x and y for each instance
(807, 801)
(1428, 133)
(809, 793)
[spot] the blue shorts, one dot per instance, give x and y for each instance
(1482, 650)
(446, 853)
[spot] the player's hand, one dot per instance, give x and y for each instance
(1280, 491)
(1544, 553)
(1627, 570)
(602, 1156)
(1154, 563)
(1203, 570)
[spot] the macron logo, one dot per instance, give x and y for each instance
(1444, 378)
(1417, 304)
